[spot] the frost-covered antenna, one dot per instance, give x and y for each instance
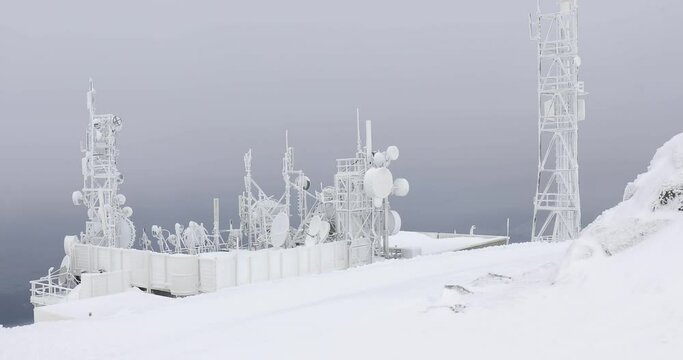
(287, 167)
(358, 145)
(557, 207)
(368, 139)
(91, 97)
(287, 140)
(109, 221)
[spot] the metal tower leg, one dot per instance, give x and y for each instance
(557, 207)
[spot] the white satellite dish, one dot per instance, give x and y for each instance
(393, 223)
(64, 269)
(121, 199)
(77, 197)
(126, 233)
(66, 262)
(127, 211)
(303, 182)
(392, 153)
(314, 225)
(378, 182)
(69, 242)
(379, 159)
(324, 230)
(401, 187)
(279, 230)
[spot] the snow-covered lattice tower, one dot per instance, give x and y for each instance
(557, 206)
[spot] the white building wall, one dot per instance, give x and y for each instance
(109, 270)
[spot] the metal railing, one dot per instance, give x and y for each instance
(51, 289)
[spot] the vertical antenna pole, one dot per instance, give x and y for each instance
(216, 222)
(368, 139)
(358, 146)
(507, 230)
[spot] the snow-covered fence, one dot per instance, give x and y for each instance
(182, 274)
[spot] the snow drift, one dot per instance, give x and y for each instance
(652, 204)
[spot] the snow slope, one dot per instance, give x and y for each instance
(615, 293)
(642, 213)
(389, 308)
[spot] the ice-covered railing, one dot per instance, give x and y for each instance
(52, 288)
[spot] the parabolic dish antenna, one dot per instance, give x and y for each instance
(303, 182)
(324, 230)
(378, 182)
(64, 269)
(401, 187)
(392, 153)
(379, 159)
(279, 229)
(394, 223)
(126, 233)
(314, 226)
(77, 197)
(66, 263)
(69, 242)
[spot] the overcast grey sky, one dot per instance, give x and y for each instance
(199, 83)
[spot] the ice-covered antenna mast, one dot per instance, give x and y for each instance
(91, 97)
(557, 207)
(358, 145)
(108, 221)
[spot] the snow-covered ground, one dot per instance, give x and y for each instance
(616, 293)
(392, 307)
(400, 309)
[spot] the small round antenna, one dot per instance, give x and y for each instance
(401, 187)
(392, 153)
(77, 197)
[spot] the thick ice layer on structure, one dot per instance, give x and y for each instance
(652, 203)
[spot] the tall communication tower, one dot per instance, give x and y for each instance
(557, 206)
(109, 221)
